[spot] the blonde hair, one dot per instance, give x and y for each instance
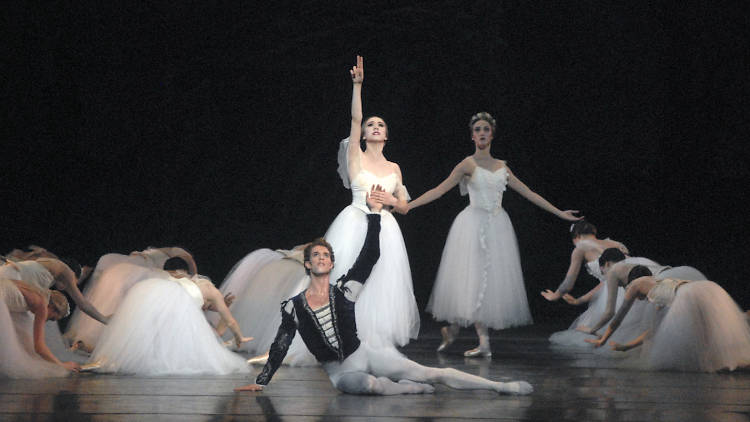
(60, 303)
(483, 115)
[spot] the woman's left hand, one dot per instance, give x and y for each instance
(570, 215)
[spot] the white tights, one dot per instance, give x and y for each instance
(372, 371)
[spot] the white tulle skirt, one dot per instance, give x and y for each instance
(386, 310)
(114, 276)
(17, 356)
(702, 330)
(597, 305)
(159, 330)
(480, 278)
(263, 279)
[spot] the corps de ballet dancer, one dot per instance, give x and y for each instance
(23, 349)
(479, 280)
(615, 267)
(110, 280)
(324, 316)
(159, 329)
(691, 326)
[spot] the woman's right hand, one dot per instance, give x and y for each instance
(71, 366)
(570, 299)
(358, 71)
(550, 295)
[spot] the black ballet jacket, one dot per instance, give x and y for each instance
(296, 314)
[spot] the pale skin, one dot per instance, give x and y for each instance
(587, 248)
(320, 266)
(43, 311)
(375, 135)
(66, 280)
(482, 135)
(213, 300)
(637, 290)
(617, 275)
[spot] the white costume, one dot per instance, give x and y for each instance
(159, 329)
(17, 356)
(480, 278)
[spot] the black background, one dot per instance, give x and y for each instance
(215, 127)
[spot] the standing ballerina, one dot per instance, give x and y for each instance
(387, 312)
(479, 280)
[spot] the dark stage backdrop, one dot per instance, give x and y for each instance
(215, 127)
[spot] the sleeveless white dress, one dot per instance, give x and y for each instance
(113, 276)
(17, 356)
(386, 310)
(480, 278)
(693, 326)
(34, 274)
(159, 329)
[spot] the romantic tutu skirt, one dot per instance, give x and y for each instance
(480, 278)
(158, 330)
(386, 310)
(702, 330)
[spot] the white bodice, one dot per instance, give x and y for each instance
(486, 188)
(364, 181)
(11, 295)
(664, 292)
(191, 287)
(30, 272)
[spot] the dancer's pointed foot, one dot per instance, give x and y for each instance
(479, 351)
(448, 338)
(416, 387)
(516, 387)
(258, 360)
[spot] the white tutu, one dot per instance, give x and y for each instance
(265, 278)
(702, 330)
(480, 278)
(386, 310)
(157, 330)
(114, 275)
(17, 356)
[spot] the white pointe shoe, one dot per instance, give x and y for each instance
(479, 351)
(448, 338)
(258, 360)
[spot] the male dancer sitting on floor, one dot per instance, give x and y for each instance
(324, 316)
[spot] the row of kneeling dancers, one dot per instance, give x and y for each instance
(140, 312)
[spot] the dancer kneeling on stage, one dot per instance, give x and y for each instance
(325, 318)
(692, 326)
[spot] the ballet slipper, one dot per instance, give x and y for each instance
(478, 351)
(448, 338)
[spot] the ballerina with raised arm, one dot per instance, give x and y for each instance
(387, 311)
(693, 326)
(480, 280)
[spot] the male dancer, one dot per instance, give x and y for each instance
(324, 316)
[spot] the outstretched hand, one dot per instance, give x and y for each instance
(597, 342)
(72, 366)
(358, 71)
(250, 387)
(570, 215)
(240, 340)
(617, 347)
(550, 295)
(570, 299)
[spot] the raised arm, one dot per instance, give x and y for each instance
(368, 256)
(533, 197)
(38, 306)
(182, 253)
(576, 260)
(355, 133)
(464, 168)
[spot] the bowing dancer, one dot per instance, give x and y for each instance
(159, 329)
(480, 280)
(692, 325)
(324, 316)
(24, 351)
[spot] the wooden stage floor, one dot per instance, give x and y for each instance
(567, 387)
